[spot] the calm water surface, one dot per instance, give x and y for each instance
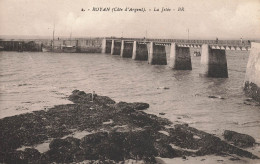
(35, 81)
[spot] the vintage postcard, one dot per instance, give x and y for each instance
(130, 81)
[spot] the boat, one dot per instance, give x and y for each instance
(46, 49)
(1, 48)
(20, 47)
(69, 49)
(60, 48)
(49, 47)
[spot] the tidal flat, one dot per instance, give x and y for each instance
(104, 131)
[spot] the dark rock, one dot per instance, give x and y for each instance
(119, 146)
(214, 97)
(165, 150)
(238, 139)
(252, 90)
(234, 159)
(104, 100)
(140, 106)
(141, 119)
(14, 157)
(208, 144)
(29, 155)
(78, 92)
(163, 88)
(79, 156)
(141, 145)
(63, 150)
(32, 154)
(135, 105)
(93, 139)
(161, 113)
(124, 107)
(81, 97)
(68, 143)
(249, 100)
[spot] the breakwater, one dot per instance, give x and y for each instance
(20, 46)
(86, 45)
(96, 45)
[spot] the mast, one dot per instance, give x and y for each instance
(188, 34)
(70, 37)
(145, 37)
(70, 34)
(53, 36)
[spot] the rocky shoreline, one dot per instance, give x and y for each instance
(117, 132)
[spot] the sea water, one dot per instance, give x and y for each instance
(39, 80)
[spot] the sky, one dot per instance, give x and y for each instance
(201, 19)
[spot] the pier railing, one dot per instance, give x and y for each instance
(244, 43)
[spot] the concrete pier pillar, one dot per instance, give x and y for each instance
(252, 78)
(134, 50)
(103, 46)
(112, 47)
(157, 54)
(122, 48)
(180, 58)
(214, 62)
(140, 51)
(150, 53)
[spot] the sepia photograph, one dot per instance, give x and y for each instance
(130, 81)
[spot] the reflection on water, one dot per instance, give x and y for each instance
(34, 81)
